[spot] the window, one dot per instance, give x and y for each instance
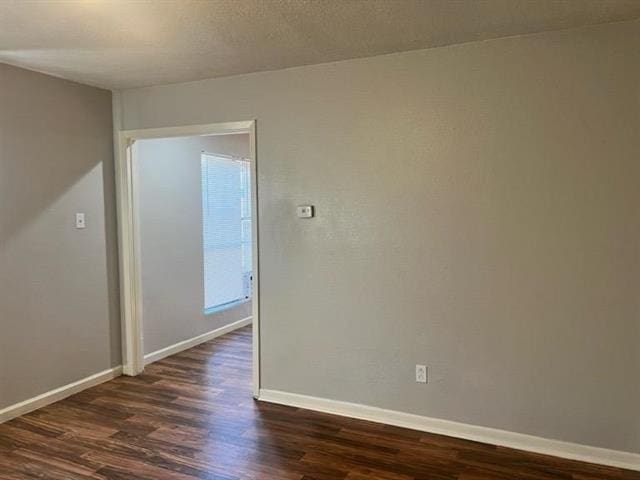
(226, 211)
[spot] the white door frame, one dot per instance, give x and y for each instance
(129, 238)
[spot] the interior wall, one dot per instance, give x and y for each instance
(476, 212)
(59, 308)
(168, 176)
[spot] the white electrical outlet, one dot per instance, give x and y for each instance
(421, 374)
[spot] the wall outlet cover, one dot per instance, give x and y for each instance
(421, 374)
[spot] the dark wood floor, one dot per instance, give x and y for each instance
(192, 416)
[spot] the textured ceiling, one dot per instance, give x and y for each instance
(120, 44)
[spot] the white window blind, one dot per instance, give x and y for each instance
(226, 208)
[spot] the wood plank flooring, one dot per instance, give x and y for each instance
(191, 416)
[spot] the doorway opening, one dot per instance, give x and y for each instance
(188, 230)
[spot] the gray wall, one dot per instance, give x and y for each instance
(59, 311)
(477, 211)
(170, 204)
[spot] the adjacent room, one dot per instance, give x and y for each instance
(320, 239)
(192, 197)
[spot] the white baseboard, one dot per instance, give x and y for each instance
(57, 394)
(192, 342)
(492, 436)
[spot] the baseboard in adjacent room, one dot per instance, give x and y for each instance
(192, 342)
(476, 433)
(58, 394)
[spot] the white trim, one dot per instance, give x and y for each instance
(129, 238)
(131, 303)
(225, 128)
(192, 342)
(255, 255)
(476, 433)
(58, 394)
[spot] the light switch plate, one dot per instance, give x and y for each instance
(80, 221)
(305, 211)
